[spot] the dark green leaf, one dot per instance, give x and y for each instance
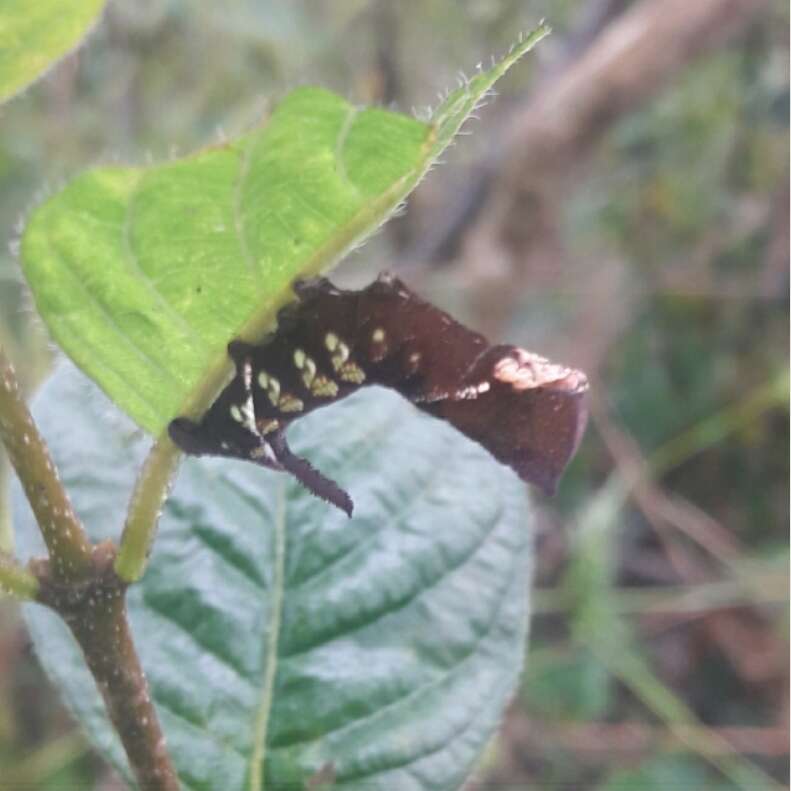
(277, 634)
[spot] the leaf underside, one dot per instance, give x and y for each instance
(34, 35)
(277, 635)
(143, 275)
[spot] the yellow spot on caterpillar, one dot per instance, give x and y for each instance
(412, 363)
(306, 365)
(378, 335)
(236, 414)
(331, 341)
(340, 356)
(263, 380)
(308, 372)
(273, 390)
(323, 387)
(290, 403)
(267, 426)
(350, 372)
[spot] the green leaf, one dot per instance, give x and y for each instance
(277, 634)
(33, 35)
(144, 274)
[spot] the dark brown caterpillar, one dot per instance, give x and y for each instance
(526, 411)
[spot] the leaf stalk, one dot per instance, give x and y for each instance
(16, 581)
(145, 506)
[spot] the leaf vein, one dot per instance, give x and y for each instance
(229, 556)
(133, 260)
(261, 723)
(238, 212)
(153, 606)
(433, 683)
(201, 727)
(340, 147)
(111, 321)
(375, 615)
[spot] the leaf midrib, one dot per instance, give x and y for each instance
(239, 211)
(261, 722)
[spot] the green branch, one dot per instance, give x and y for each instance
(145, 507)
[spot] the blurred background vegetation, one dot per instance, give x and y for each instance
(623, 207)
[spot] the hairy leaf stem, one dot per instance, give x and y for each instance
(68, 544)
(16, 581)
(95, 612)
(151, 490)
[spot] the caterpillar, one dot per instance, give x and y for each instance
(528, 412)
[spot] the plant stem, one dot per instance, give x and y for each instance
(156, 478)
(95, 611)
(6, 533)
(145, 506)
(16, 581)
(79, 583)
(68, 545)
(772, 394)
